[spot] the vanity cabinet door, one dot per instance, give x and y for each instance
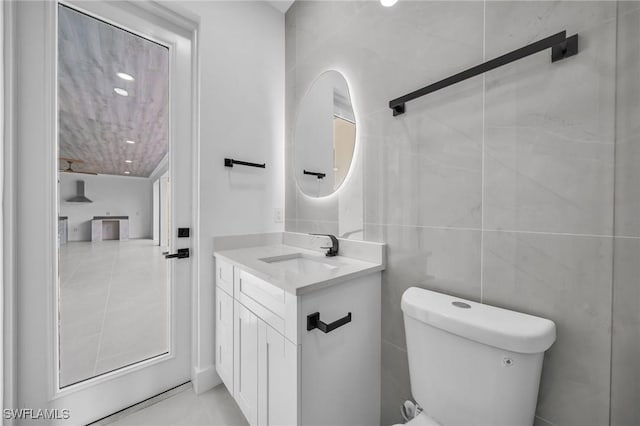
(224, 338)
(277, 378)
(246, 362)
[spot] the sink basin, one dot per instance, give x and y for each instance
(299, 263)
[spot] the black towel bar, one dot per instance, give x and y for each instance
(319, 175)
(561, 47)
(229, 162)
(313, 321)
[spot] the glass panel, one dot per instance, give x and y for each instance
(114, 197)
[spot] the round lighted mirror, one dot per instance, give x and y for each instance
(325, 136)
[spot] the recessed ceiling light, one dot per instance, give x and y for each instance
(120, 91)
(125, 76)
(128, 161)
(127, 173)
(388, 3)
(130, 142)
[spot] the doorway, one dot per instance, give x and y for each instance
(129, 326)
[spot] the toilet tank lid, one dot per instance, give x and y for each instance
(486, 324)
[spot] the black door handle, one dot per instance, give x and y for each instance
(313, 321)
(181, 254)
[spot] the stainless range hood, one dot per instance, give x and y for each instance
(80, 197)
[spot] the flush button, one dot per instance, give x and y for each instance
(461, 305)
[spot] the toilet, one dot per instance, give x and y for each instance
(472, 364)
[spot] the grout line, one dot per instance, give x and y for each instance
(546, 421)
(482, 155)
(394, 345)
(613, 214)
(506, 231)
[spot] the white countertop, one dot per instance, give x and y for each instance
(346, 268)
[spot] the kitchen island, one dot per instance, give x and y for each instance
(110, 228)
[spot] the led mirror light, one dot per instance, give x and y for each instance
(388, 3)
(120, 91)
(128, 161)
(130, 142)
(125, 76)
(127, 173)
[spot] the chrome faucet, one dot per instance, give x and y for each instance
(335, 245)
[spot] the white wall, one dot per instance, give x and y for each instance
(111, 195)
(241, 61)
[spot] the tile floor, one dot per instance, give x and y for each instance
(113, 306)
(215, 408)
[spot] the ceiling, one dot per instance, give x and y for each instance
(94, 121)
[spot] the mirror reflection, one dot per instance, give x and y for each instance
(325, 136)
(114, 198)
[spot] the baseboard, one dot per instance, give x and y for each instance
(204, 379)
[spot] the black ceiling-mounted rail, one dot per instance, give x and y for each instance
(229, 162)
(316, 174)
(561, 47)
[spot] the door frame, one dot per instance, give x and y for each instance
(174, 19)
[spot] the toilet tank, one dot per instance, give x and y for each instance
(471, 363)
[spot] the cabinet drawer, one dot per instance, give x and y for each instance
(224, 275)
(268, 295)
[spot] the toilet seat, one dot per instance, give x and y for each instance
(421, 419)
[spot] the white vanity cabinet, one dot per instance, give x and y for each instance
(245, 372)
(284, 374)
(224, 337)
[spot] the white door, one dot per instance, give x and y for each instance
(39, 295)
(245, 384)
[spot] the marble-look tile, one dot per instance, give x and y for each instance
(351, 198)
(386, 53)
(445, 260)
(396, 386)
(625, 374)
(314, 22)
(290, 42)
(625, 7)
(291, 190)
(322, 209)
(426, 172)
(549, 135)
(317, 227)
(513, 24)
(290, 226)
(538, 421)
(566, 279)
(627, 191)
(541, 182)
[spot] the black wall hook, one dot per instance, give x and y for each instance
(313, 321)
(229, 162)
